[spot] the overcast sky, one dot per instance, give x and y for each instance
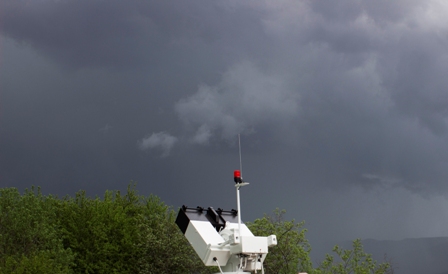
(342, 106)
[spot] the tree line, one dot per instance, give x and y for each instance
(131, 233)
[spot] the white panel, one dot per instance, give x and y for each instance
(250, 245)
(205, 239)
(221, 253)
(207, 232)
(244, 230)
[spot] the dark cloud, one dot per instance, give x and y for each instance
(135, 33)
(244, 99)
(341, 106)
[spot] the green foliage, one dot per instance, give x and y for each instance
(136, 234)
(102, 233)
(116, 234)
(291, 255)
(38, 262)
(354, 261)
(30, 238)
(125, 234)
(292, 251)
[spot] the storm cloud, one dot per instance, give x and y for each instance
(342, 106)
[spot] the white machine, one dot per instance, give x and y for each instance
(220, 239)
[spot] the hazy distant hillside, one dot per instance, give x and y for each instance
(408, 256)
(412, 256)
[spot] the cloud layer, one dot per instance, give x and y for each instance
(161, 140)
(244, 99)
(342, 106)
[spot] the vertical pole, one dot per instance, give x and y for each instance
(238, 189)
(239, 210)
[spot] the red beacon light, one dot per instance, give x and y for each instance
(237, 177)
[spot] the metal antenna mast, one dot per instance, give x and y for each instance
(239, 182)
(238, 188)
(241, 162)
